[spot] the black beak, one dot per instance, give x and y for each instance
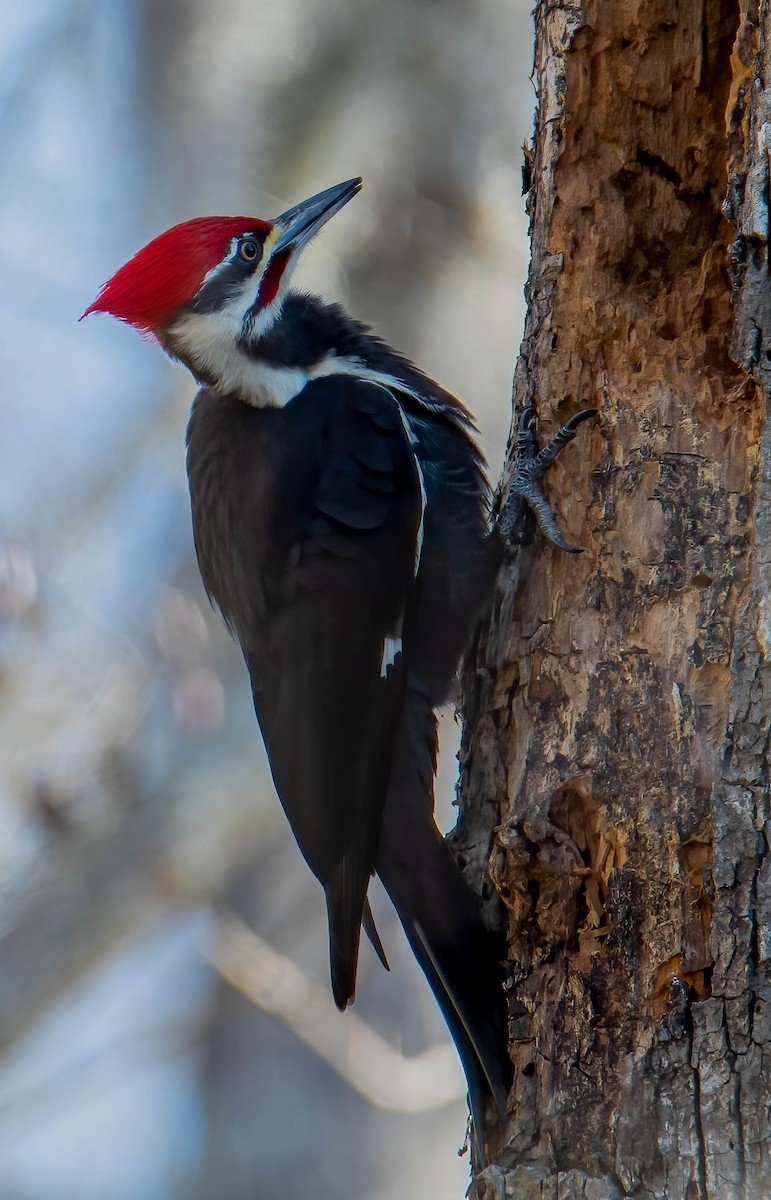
(297, 225)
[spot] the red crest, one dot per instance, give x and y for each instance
(168, 271)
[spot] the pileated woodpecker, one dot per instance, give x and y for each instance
(341, 516)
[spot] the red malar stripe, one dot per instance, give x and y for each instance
(271, 280)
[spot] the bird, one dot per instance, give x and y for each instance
(342, 524)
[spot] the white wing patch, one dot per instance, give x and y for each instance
(392, 646)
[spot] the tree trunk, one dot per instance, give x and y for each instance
(617, 709)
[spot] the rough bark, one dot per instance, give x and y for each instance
(617, 711)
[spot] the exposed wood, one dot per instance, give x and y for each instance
(618, 709)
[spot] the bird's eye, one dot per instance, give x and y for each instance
(249, 250)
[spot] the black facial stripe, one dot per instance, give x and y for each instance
(223, 286)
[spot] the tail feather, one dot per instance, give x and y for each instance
(442, 919)
(369, 927)
(476, 1035)
(348, 913)
(457, 954)
(346, 898)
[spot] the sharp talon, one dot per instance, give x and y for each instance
(579, 418)
(531, 466)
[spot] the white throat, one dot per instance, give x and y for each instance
(211, 345)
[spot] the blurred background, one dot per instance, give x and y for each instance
(166, 1030)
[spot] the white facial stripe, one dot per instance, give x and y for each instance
(259, 324)
(264, 386)
(209, 342)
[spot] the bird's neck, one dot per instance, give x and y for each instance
(309, 339)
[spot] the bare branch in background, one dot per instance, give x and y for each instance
(360, 1056)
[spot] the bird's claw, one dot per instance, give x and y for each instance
(526, 488)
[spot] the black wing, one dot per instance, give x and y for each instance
(328, 672)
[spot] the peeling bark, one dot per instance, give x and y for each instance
(617, 709)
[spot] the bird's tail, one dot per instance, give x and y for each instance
(442, 919)
(346, 897)
(348, 912)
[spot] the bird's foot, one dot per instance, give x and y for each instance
(526, 488)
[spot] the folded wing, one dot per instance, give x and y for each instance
(328, 672)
